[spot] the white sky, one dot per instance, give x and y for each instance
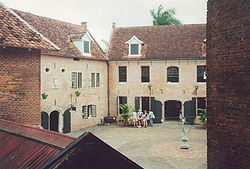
(101, 13)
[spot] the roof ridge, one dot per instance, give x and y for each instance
(29, 13)
(146, 26)
(21, 130)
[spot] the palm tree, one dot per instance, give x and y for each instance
(163, 16)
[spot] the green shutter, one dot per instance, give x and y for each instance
(152, 100)
(137, 103)
(45, 120)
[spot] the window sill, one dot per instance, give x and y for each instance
(121, 83)
(134, 55)
(201, 82)
(173, 82)
(87, 54)
(145, 82)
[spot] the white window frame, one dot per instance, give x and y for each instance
(89, 39)
(77, 80)
(95, 81)
(134, 40)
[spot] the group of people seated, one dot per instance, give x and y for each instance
(140, 119)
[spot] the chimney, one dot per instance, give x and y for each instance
(113, 25)
(84, 25)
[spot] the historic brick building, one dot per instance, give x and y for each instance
(162, 68)
(79, 66)
(228, 63)
(158, 67)
(20, 47)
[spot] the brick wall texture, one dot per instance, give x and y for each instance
(20, 85)
(228, 92)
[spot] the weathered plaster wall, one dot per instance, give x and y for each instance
(62, 97)
(161, 90)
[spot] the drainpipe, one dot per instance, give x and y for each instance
(108, 85)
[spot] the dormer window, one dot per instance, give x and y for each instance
(86, 44)
(86, 47)
(134, 46)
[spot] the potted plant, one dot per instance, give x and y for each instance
(126, 109)
(150, 88)
(203, 117)
(44, 95)
(77, 93)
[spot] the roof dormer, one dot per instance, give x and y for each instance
(134, 46)
(86, 44)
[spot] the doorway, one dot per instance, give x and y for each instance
(54, 121)
(172, 109)
(145, 103)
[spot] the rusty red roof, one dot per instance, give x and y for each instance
(16, 32)
(28, 147)
(160, 42)
(62, 33)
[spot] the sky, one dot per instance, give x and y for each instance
(100, 14)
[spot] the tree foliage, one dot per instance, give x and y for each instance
(163, 16)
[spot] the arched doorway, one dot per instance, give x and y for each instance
(172, 109)
(54, 121)
(45, 120)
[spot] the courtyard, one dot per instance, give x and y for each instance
(156, 147)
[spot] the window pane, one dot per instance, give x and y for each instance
(201, 73)
(134, 49)
(90, 110)
(85, 46)
(145, 74)
(93, 107)
(97, 79)
(79, 80)
(173, 74)
(121, 100)
(74, 80)
(85, 113)
(92, 79)
(122, 74)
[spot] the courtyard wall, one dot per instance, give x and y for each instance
(228, 60)
(20, 85)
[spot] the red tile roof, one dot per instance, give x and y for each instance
(61, 33)
(160, 42)
(28, 147)
(15, 32)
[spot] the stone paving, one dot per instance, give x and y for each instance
(156, 147)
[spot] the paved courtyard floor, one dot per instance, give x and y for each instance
(156, 147)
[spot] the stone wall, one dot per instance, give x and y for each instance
(20, 85)
(228, 63)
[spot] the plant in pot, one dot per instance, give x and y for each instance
(125, 109)
(44, 95)
(77, 93)
(203, 117)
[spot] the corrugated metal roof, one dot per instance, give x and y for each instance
(21, 148)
